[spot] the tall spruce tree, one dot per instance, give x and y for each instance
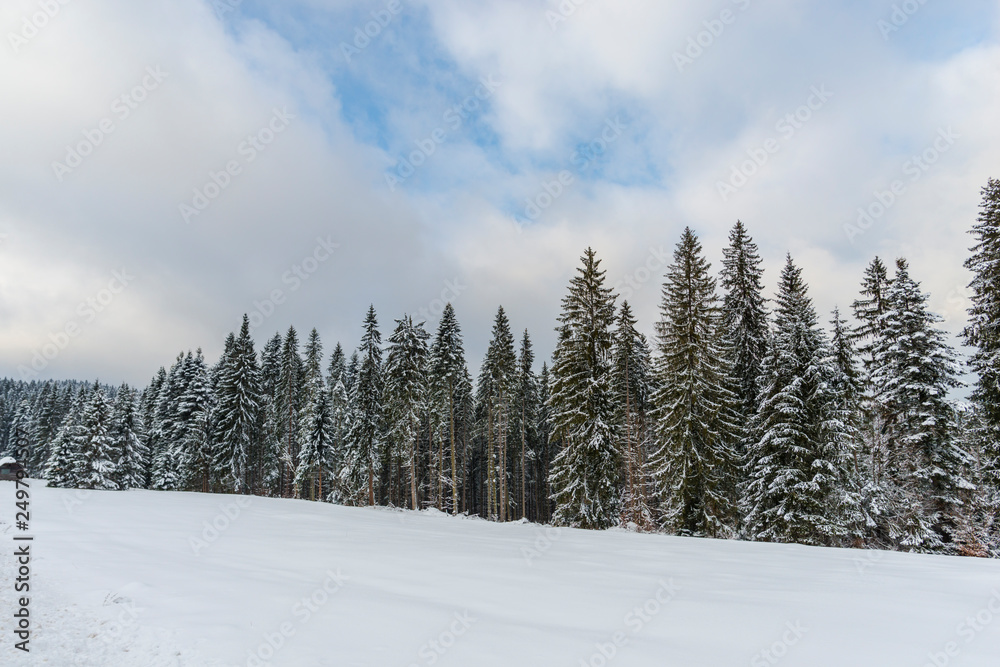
(586, 474)
(496, 384)
(127, 440)
(192, 442)
(696, 409)
(366, 439)
(983, 332)
(632, 391)
(406, 394)
(94, 449)
(800, 450)
(239, 413)
(524, 415)
(448, 371)
(289, 396)
(744, 316)
(913, 369)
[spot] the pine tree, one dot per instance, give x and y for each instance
(366, 440)
(632, 398)
(406, 393)
(239, 413)
(448, 372)
(696, 411)
(744, 316)
(94, 451)
(586, 474)
(800, 451)
(913, 368)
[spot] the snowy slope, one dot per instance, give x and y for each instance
(117, 581)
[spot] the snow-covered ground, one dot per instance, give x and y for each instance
(142, 578)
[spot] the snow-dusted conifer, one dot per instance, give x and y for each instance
(797, 462)
(586, 474)
(367, 436)
(696, 409)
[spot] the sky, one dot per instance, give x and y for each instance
(169, 166)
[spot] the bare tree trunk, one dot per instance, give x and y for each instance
(413, 468)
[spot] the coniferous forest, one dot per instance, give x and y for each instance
(747, 416)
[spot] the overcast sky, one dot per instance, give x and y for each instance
(171, 165)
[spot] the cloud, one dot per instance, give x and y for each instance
(461, 215)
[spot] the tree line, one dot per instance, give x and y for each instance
(745, 417)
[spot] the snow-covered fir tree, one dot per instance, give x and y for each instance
(913, 369)
(744, 316)
(288, 400)
(697, 422)
(448, 378)
(801, 446)
(496, 391)
(633, 394)
(94, 453)
(127, 440)
(587, 473)
(524, 418)
(983, 331)
(239, 413)
(366, 439)
(61, 467)
(406, 395)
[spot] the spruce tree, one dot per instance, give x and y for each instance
(94, 450)
(496, 386)
(870, 309)
(525, 409)
(632, 398)
(239, 413)
(60, 469)
(163, 450)
(983, 330)
(448, 372)
(268, 465)
(317, 441)
(745, 316)
(191, 438)
(696, 410)
(313, 387)
(289, 396)
(865, 499)
(406, 393)
(366, 439)
(586, 474)
(543, 461)
(340, 414)
(800, 448)
(126, 437)
(913, 369)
